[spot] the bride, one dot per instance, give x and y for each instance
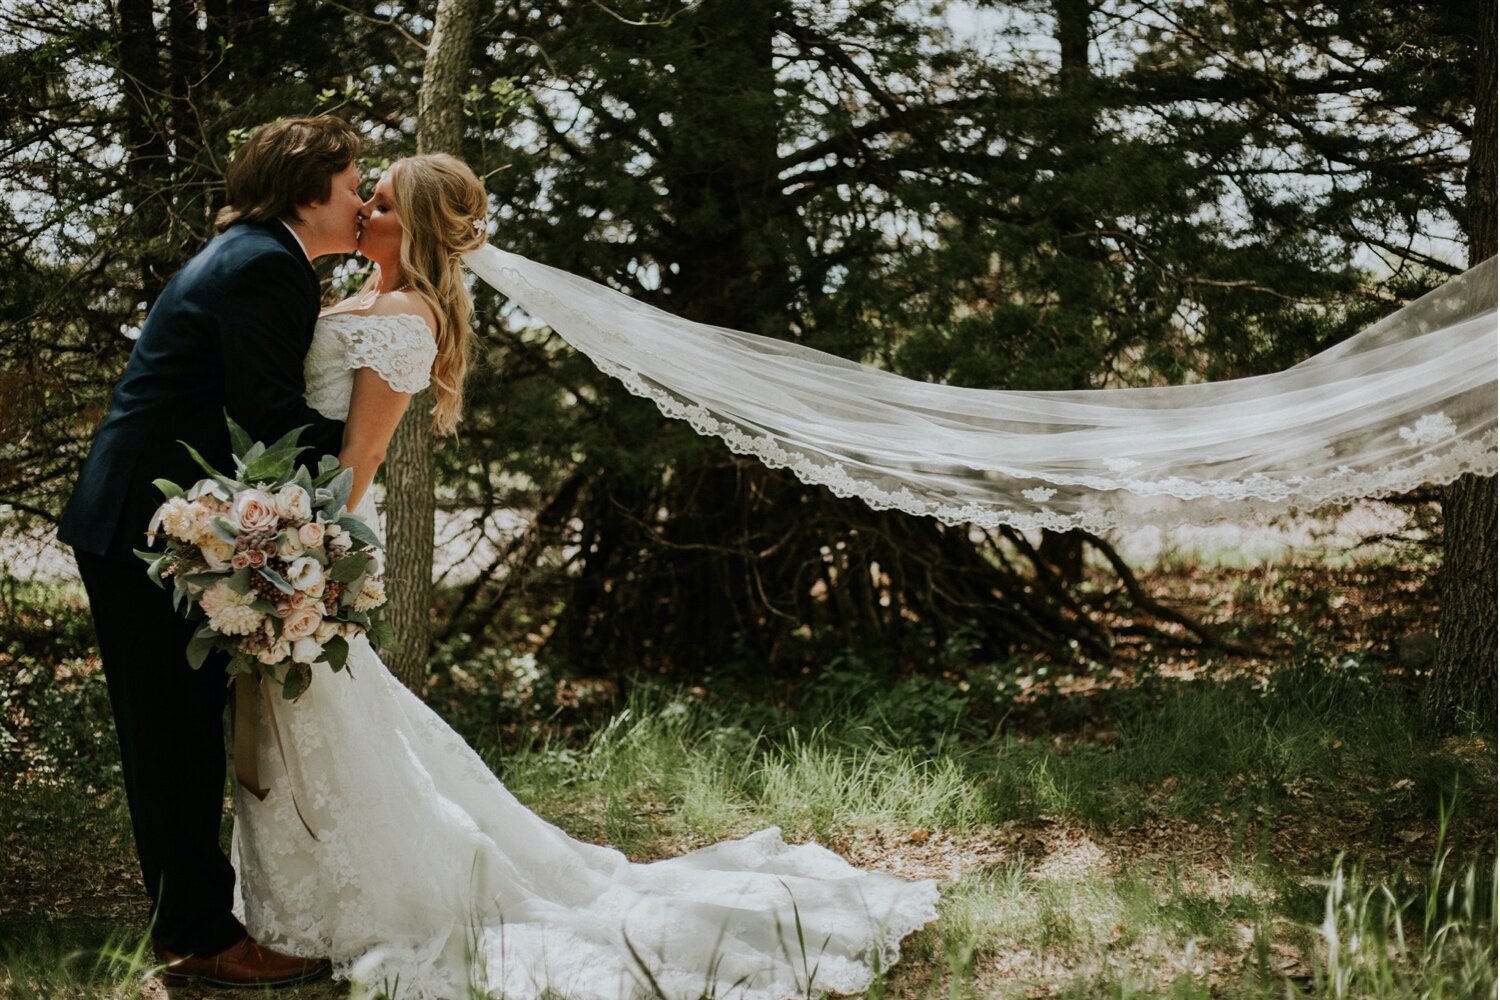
(386, 844)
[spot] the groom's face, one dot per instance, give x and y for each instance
(335, 223)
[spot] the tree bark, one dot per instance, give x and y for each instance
(1461, 691)
(147, 160)
(410, 505)
(1075, 227)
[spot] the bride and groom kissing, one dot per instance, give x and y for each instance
(385, 848)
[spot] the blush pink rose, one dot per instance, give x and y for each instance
(300, 623)
(254, 510)
(310, 534)
(240, 560)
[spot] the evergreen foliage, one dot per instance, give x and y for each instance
(1089, 193)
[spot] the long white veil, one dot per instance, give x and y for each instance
(1407, 401)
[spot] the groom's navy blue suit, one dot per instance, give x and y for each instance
(228, 333)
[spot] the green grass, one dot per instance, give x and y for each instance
(1351, 856)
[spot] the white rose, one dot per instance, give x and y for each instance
(217, 553)
(307, 650)
(304, 574)
(293, 503)
(253, 510)
(300, 623)
(311, 534)
(326, 631)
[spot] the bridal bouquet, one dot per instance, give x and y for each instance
(279, 573)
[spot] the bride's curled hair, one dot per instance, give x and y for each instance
(443, 208)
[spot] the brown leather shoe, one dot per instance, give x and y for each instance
(245, 963)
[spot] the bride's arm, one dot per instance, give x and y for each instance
(374, 411)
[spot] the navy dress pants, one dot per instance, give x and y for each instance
(170, 722)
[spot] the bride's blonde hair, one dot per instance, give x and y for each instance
(442, 207)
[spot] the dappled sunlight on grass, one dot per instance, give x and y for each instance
(1179, 836)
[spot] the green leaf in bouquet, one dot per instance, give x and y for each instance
(199, 582)
(381, 634)
(276, 461)
(360, 618)
(298, 677)
(328, 467)
(147, 554)
(154, 570)
(223, 527)
(241, 664)
(239, 580)
(168, 488)
(359, 531)
(239, 439)
(264, 606)
(351, 567)
(332, 497)
(274, 578)
(303, 478)
(229, 484)
(336, 652)
(200, 645)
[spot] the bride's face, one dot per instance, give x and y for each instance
(380, 236)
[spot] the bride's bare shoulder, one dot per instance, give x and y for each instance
(398, 303)
(401, 303)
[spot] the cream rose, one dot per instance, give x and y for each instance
(300, 623)
(254, 510)
(217, 553)
(288, 545)
(311, 534)
(293, 503)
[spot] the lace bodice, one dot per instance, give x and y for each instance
(399, 347)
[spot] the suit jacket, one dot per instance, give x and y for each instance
(228, 333)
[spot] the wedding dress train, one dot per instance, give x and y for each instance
(420, 874)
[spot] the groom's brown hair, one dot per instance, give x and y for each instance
(286, 163)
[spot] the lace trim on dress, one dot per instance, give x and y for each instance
(398, 347)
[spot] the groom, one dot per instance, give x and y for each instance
(228, 333)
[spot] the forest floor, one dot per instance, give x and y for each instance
(1162, 826)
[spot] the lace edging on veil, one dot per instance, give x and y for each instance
(1406, 402)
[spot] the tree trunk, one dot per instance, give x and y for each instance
(1461, 692)
(1075, 227)
(147, 166)
(410, 505)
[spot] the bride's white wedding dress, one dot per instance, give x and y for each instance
(427, 878)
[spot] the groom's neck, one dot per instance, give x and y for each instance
(304, 238)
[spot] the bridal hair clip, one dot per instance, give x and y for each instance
(479, 226)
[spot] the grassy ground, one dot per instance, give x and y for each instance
(1166, 827)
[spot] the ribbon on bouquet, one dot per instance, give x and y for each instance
(246, 759)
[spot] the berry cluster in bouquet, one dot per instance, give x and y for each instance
(281, 576)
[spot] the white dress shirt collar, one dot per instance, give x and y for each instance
(296, 237)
